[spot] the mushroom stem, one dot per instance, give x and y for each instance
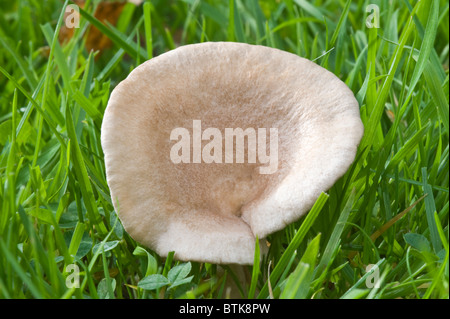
(238, 278)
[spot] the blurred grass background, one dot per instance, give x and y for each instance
(389, 210)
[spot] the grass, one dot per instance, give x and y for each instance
(390, 210)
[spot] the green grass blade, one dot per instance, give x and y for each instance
(76, 238)
(426, 47)
(350, 294)
(256, 271)
(375, 115)
(59, 56)
(148, 29)
(114, 36)
(298, 283)
(438, 94)
(81, 173)
(298, 238)
(46, 117)
(334, 241)
(430, 209)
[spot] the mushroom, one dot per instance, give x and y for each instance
(172, 181)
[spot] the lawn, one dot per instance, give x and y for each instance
(380, 232)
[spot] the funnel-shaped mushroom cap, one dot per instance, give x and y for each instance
(206, 205)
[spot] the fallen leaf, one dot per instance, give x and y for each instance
(107, 12)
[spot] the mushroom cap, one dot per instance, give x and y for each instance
(212, 212)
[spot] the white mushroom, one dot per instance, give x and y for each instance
(213, 211)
